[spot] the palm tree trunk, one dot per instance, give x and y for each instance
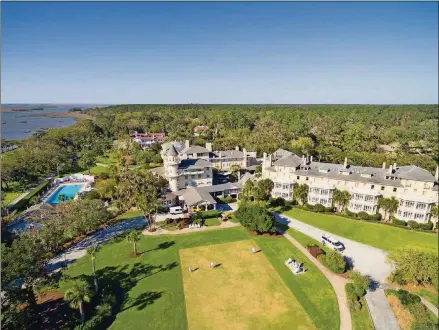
(95, 278)
(81, 311)
(135, 249)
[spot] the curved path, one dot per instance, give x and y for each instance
(338, 283)
(369, 261)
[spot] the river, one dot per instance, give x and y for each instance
(16, 126)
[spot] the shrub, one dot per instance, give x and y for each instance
(398, 278)
(407, 298)
(360, 283)
(363, 215)
(226, 200)
(413, 224)
(22, 203)
(210, 214)
(398, 222)
(330, 209)
(92, 194)
(319, 208)
(354, 304)
(334, 261)
(375, 217)
(351, 214)
(104, 175)
(426, 226)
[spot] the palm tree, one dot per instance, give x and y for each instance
(434, 211)
(389, 205)
(133, 237)
(92, 251)
(62, 197)
(300, 193)
(341, 199)
(78, 294)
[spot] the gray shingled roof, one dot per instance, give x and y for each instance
(177, 145)
(194, 196)
(195, 150)
(289, 161)
(377, 175)
(172, 151)
(194, 164)
(220, 187)
(229, 153)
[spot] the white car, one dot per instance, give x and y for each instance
(175, 210)
(335, 244)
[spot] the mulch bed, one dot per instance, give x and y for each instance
(254, 233)
(50, 295)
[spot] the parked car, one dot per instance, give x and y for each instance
(175, 210)
(335, 244)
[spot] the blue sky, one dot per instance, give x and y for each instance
(200, 52)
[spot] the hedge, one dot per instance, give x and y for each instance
(22, 203)
(363, 215)
(210, 214)
(226, 200)
(398, 222)
(413, 224)
(354, 303)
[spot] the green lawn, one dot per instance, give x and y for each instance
(97, 170)
(130, 214)
(109, 159)
(374, 234)
(361, 320)
(212, 222)
(151, 288)
(430, 296)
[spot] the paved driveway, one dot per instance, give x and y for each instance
(78, 250)
(368, 260)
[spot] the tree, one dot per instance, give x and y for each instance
(300, 193)
(235, 169)
(62, 198)
(341, 199)
(87, 158)
(92, 251)
(361, 283)
(247, 191)
(77, 294)
(255, 217)
(133, 237)
(148, 203)
(389, 205)
(434, 211)
(415, 265)
(304, 144)
(262, 190)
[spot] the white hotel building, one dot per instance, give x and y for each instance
(415, 188)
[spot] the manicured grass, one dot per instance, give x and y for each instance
(97, 170)
(151, 287)
(361, 320)
(374, 234)
(232, 218)
(10, 196)
(109, 159)
(212, 222)
(220, 298)
(168, 227)
(130, 214)
(312, 289)
(430, 296)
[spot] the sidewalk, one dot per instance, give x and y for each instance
(338, 284)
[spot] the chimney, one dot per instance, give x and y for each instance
(237, 148)
(390, 169)
(186, 144)
(436, 175)
(384, 165)
(394, 166)
(310, 159)
(209, 146)
(244, 151)
(345, 162)
(303, 159)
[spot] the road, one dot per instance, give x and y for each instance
(78, 250)
(369, 261)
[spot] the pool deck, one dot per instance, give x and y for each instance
(84, 186)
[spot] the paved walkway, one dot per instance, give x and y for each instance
(78, 250)
(338, 283)
(369, 261)
(159, 231)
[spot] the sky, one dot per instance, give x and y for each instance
(223, 52)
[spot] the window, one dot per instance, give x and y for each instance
(199, 176)
(372, 186)
(306, 178)
(394, 189)
(298, 177)
(382, 187)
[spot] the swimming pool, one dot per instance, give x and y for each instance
(68, 190)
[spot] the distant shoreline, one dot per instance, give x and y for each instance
(76, 115)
